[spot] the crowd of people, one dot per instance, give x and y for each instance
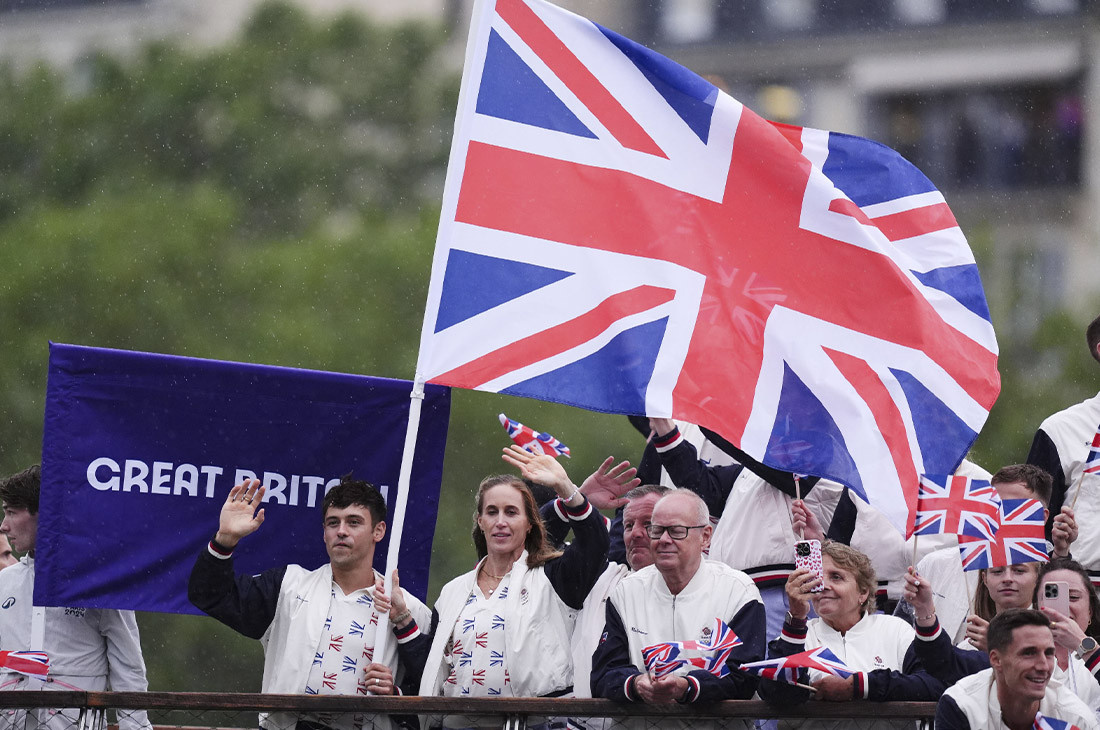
(565, 602)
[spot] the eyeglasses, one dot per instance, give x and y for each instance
(676, 532)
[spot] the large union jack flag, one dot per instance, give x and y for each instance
(1019, 538)
(956, 505)
(785, 669)
(620, 235)
(1092, 463)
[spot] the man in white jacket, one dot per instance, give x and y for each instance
(317, 626)
(90, 649)
(678, 598)
(1017, 686)
(1061, 447)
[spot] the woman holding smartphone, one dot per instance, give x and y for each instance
(1017, 586)
(873, 645)
(1066, 596)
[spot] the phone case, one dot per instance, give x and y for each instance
(1055, 595)
(807, 554)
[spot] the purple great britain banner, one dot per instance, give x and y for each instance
(140, 451)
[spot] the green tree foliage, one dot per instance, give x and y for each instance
(300, 120)
(1044, 362)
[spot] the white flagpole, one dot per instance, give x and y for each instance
(416, 400)
(467, 99)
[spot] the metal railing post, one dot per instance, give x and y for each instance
(515, 722)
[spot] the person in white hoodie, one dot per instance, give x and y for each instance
(1017, 687)
(504, 628)
(90, 649)
(953, 587)
(317, 626)
(678, 598)
(752, 502)
(1061, 446)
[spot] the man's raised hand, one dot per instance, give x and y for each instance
(606, 486)
(239, 517)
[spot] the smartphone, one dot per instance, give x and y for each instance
(1055, 595)
(807, 554)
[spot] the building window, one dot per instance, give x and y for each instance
(1055, 7)
(11, 6)
(920, 12)
(787, 15)
(1011, 137)
(686, 21)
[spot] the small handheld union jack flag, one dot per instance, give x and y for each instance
(661, 659)
(664, 658)
(1051, 723)
(956, 505)
(31, 663)
(534, 441)
(1092, 463)
(785, 669)
(1019, 538)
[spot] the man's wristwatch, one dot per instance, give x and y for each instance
(1088, 645)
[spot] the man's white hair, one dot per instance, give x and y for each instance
(702, 512)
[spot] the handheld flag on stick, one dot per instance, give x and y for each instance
(661, 659)
(956, 505)
(664, 658)
(1019, 538)
(664, 269)
(1091, 466)
(785, 669)
(1092, 463)
(534, 441)
(31, 663)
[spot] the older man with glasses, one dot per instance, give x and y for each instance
(678, 599)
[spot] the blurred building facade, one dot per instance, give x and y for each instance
(995, 100)
(62, 31)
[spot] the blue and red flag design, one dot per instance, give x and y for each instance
(1019, 538)
(666, 657)
(534, 441)
(620, 235)
(661, 659)
(785, 669)
(1092, 463)
(948, 504)
(31, 663)
(976, 554)
(1042, 722)
(662, 652)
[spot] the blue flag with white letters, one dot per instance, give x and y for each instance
(140, 451)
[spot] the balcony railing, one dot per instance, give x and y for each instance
(193, 710)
